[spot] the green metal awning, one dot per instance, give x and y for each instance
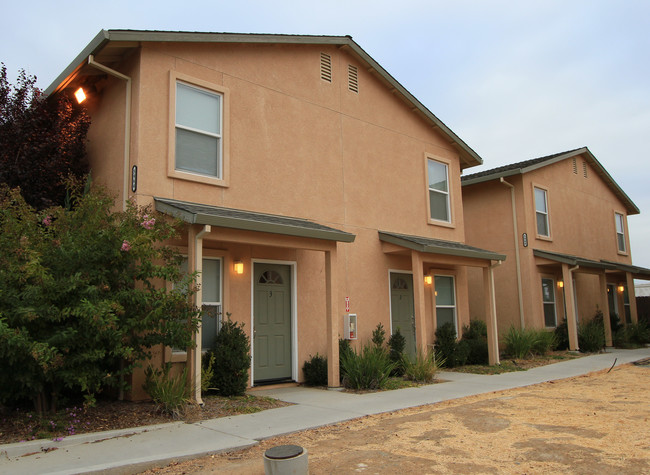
(438, 246)
(572, 260)
(195, 213)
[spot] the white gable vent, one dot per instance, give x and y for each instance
(326, 67)
(353, 78)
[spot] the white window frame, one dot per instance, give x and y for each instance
(223, 166)
(549, 302)
(619, 219)
(454, 307)
(546, 213)
(447, 194)
(176, 352)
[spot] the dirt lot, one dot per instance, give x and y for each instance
(592, 424)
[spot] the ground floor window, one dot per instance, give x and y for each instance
(211, 304)
(626, 305)
(445, 300)
(548, 299)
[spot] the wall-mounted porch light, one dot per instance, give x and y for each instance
(80, 95)
(428, 279)
(621, 288)
(560, 284)
(238, 267)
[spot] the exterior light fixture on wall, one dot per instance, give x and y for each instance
(428, 279)
(560, 284)
(621, 288)
(238, 267)
(80, 95)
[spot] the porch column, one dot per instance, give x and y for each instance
(571, 320)
(632, 296)
(604, 305)
(490, 315)
(190, 362)
(418, 302)
(331, 301)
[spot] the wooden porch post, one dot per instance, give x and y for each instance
(632, 296)
(571, 320)
(418, 302)
(331, 301)
(490, 315)
(604, 305)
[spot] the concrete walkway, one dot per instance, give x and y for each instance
(133, 450)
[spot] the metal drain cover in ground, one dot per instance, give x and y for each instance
(283, 452)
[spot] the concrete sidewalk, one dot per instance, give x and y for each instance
(133, 450)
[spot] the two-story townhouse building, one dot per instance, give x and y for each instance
(313, 185)
(562, 222)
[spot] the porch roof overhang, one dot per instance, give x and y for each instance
(438, 246)
(604, 265)
(573, 260)
(637, 272)
(195, 213)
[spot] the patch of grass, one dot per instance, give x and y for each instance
(399, 383)
(504, 367)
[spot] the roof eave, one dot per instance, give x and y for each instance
(468, 156)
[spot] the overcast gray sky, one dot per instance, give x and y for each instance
(514, 79)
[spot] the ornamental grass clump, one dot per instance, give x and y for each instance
(423, 368)
(170, 393)
(368, 369)
(519, 343)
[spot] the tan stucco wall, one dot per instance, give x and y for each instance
(581, 214)
(297, 146)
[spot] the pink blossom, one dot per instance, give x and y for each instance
(47, 220)
(126, 246)
(148, 223)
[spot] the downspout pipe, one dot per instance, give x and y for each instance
(127, 123)
(198, 266)
(517, 256)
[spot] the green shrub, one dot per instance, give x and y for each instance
(344, 350)
(639, 333)
(423, 368)
(519, 343)
(475, 336)
(396, 345)
(207, 371)
(452, 352)
(591, 335)
(170, 393)
(232, 359)
(562, 336)
(379, 336)
(632, 335)
(83, 298)
(369, 369)
(315, 371)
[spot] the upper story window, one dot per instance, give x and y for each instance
(198, 131)
(620, 231)
(541, 212)
(438, 176)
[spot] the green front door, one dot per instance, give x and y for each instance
(401, 309)
(272, 323)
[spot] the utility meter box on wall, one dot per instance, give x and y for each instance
(350, 326)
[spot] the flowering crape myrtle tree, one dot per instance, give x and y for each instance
(85, 294)
(42, 141)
